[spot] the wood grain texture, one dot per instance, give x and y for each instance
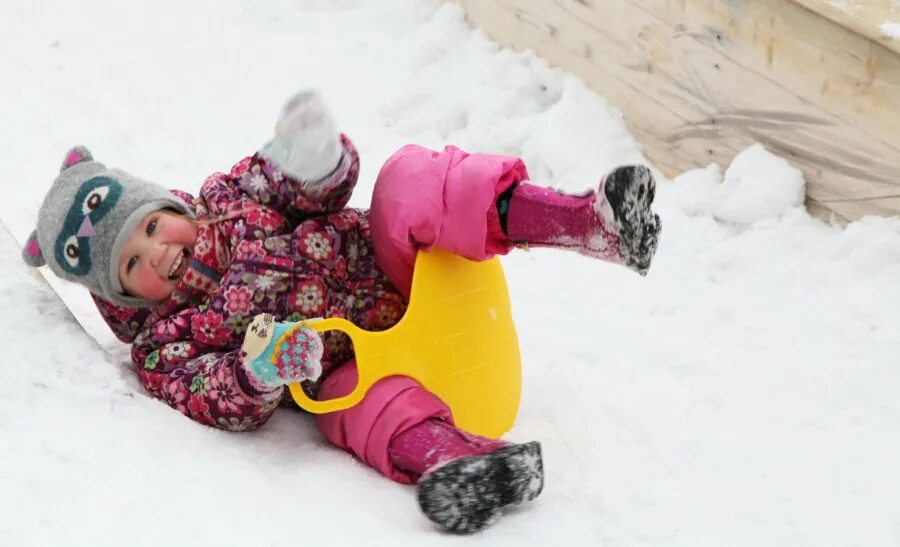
(866, 17)
(700, 80)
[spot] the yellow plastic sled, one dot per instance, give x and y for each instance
(457, 339)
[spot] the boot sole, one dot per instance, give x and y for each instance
(466, 495)
(630, 192)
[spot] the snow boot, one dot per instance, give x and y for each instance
(614, 224)
(307, 145)
(466, 495)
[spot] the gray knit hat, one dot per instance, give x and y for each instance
(85, 220)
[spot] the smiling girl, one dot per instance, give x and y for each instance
(199, 286)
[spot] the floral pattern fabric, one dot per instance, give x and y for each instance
(267, 243)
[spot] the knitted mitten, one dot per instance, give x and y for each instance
(276, 354)
(614, 224)
(467, 494)
(307, 145)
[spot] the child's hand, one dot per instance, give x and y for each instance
(306, 146)
(276, 354)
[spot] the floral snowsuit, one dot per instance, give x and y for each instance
(288, 248)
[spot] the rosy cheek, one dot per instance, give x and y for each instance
(146, 283)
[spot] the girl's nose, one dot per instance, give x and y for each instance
(157, 254)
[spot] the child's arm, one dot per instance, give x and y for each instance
(308, 167)
(210, 388)
(235, 390)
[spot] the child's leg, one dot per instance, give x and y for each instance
(435, 442)
(406, 433)
(393, 405)
(467, 479)
(399, 428)
(447, 199)
(614, 224)
(480, 205)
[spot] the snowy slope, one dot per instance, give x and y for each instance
(744, 393)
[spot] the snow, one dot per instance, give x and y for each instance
(890, 29)
(743, 393)
(758, 185)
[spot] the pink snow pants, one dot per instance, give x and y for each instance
(422, 199)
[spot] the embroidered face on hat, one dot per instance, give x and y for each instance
(82, 217)
(94, 199)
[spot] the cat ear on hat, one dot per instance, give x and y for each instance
(32, 252)
(75, 156)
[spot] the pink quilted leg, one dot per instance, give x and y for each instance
(392, 406)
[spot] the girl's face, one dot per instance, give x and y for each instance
(156, 255)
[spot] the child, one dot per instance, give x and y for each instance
(202, 287)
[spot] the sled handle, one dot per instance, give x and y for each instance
(364, 382)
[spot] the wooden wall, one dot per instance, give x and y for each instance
(700, 80)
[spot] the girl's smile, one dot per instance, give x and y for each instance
(156, 255)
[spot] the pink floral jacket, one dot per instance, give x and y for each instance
(275, 245)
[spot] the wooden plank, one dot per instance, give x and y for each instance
(699, 80)
(867, 17)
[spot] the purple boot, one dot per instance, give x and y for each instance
(466, 480)
(467, 495)
(614, 224)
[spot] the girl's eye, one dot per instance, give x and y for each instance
(131, 262)
(151, 227)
